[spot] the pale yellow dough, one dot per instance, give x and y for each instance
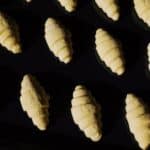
(110, 7)
(138, 117)
(58, 40)
(35, 101)
(142, 8)
(86, 113)
(69, 5)
(110, 51)
(9, 34)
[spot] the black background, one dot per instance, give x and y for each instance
(59, 80)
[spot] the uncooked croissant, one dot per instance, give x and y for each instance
(58, 40)
(142, 10)
(9, 34)
(35, 101)
(148, 54)
(86, 113)
(109, 51)
(69, 5)
(138, 118)
(110, 7)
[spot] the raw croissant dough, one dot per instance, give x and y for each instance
(110, 7)
(148, 54)
(109, 51)
(35, 101)
(69, 5)
(138, 119)
(86, 113)
(58, 40)
(9, 34)
(142, 8)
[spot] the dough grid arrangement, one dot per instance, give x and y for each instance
(85, 110)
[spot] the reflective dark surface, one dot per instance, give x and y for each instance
(59, 80)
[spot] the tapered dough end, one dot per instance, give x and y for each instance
(41, 123)
(65, 55)
(99, 30)
(50, 21)
(120, 71)
(67, 60)
(110, 8)
(26, 79)
(70, 8)
(142, 10)
(16, 49)
(115, 17)
(80, 96)
(135, 105)
(145, 145)
(79, 87)
(69, 5)
(96, 138)
(42, 126)
(130, 97)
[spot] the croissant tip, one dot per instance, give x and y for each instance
(49, 21)
(129, 97)
(79, 87)
(115, 17)
(16, 50)
(120, 71)
(96, 138)
(99, 30)
(27, 76)
(70, 9)
(130, 94)
(67, 60)
(42, 128)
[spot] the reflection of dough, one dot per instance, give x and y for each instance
(34, 101)
(86, 113)
(58, 40)
(109, 51)
(142, 8)
(69, 5)
(9, 34)
(138, 119)
(110, 7)
(148, 53)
